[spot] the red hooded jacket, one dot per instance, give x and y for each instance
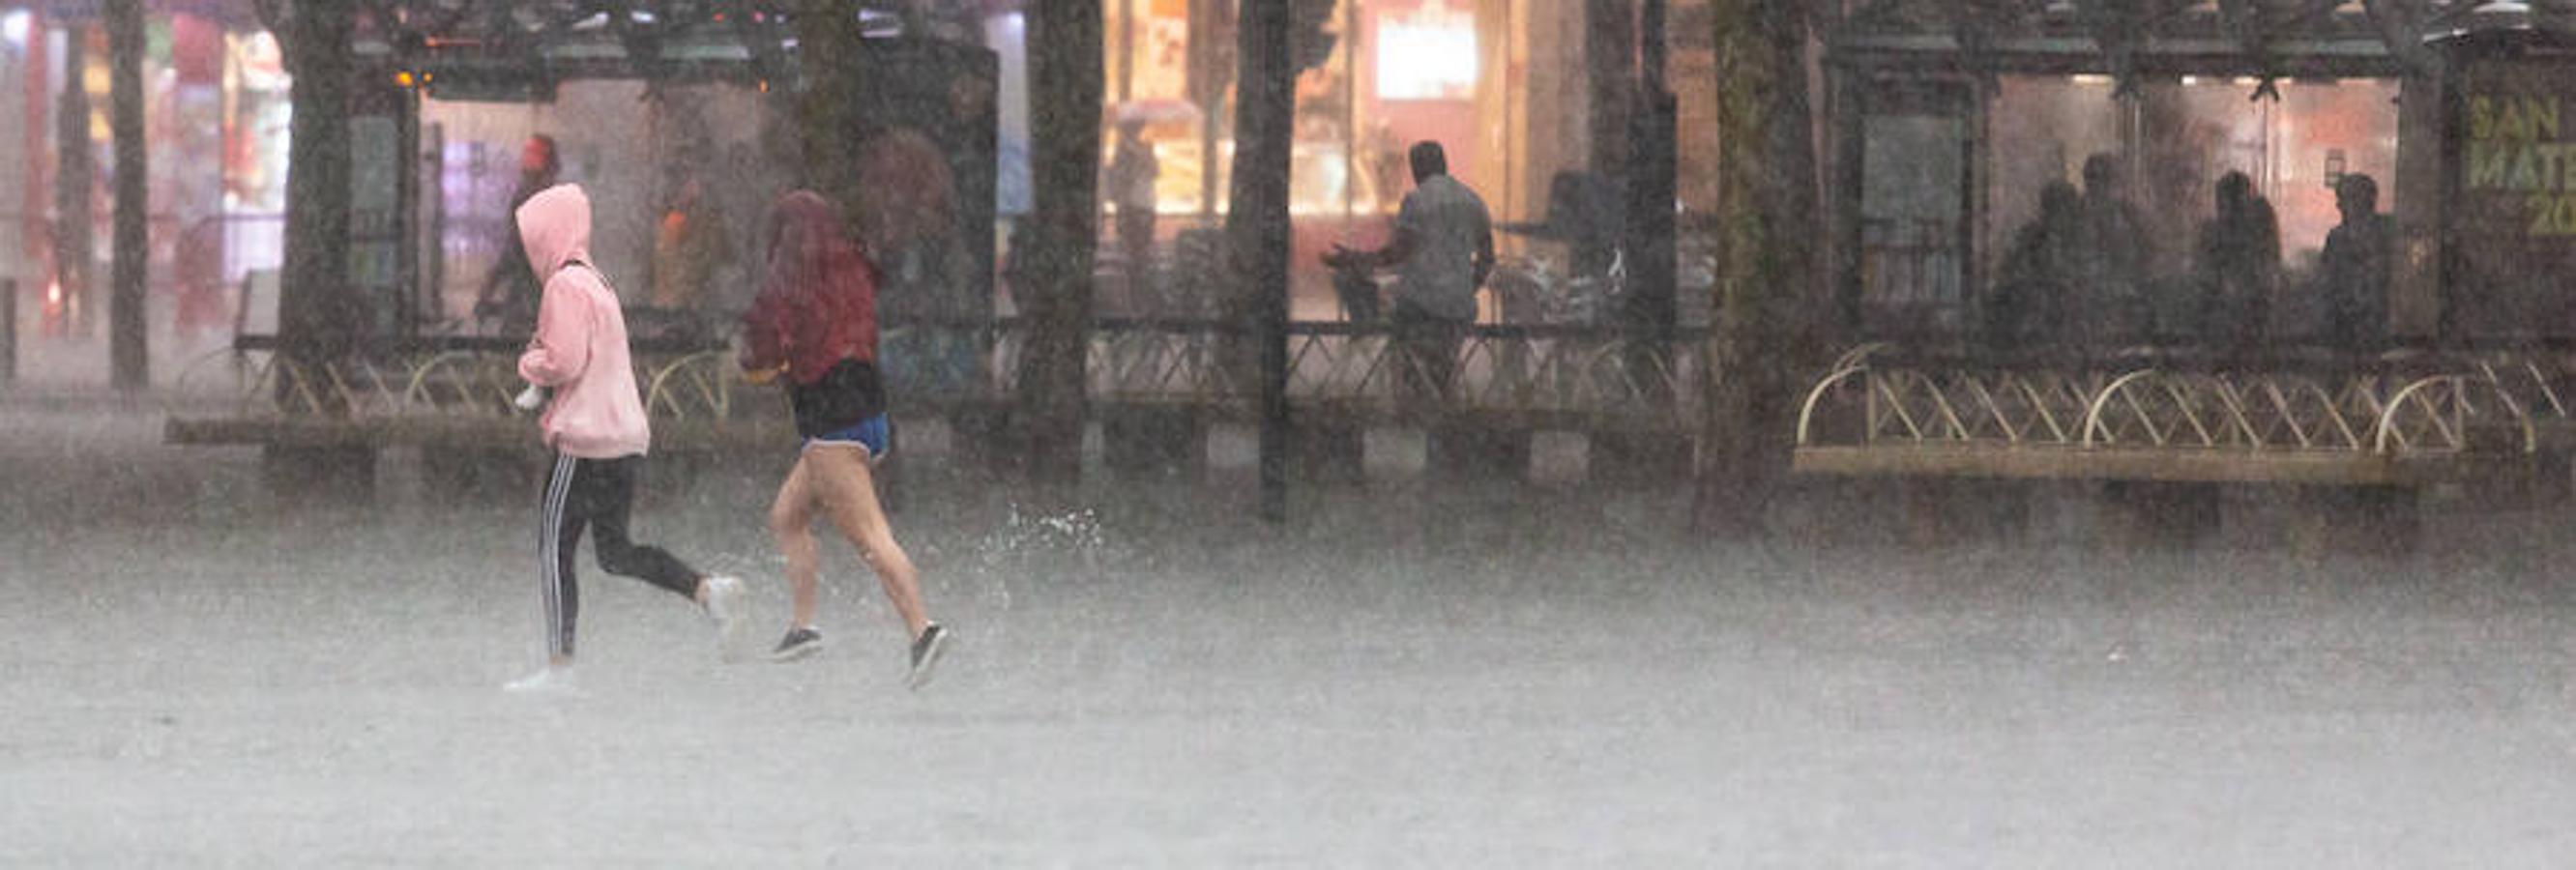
(818, 305)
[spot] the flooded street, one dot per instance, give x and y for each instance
(200, 673)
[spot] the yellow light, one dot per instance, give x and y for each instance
(405, 79)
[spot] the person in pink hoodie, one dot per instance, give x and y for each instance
(594, 422)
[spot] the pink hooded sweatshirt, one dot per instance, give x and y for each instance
(580, 346)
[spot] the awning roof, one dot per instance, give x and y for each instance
(2123, 37)
(558, 39)
(565, 39)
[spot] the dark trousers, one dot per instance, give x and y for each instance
(587, 493)
(1427, 352)
(1136, 247)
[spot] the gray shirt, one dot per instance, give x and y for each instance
(1448, 223)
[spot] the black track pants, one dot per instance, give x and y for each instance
(588, 493)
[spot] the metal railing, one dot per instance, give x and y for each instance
(1633, 378)
(2398, 405)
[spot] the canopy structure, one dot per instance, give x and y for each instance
(500, 40)
(2126, 38)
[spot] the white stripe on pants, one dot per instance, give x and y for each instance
(549, 545)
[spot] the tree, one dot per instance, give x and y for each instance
(1609, 60)
(1066, 86)
(318, 313)
(1649, 306)
(74, 174)
(1256, 222)
(828, 40)
(129, 363)
(1766, 276)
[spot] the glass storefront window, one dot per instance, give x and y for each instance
(1428, 53)
(2187, 134)
(2168, 148)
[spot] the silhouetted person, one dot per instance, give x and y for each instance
(509, 296)
(2235, 268)
(2107, 301)
(1444, 249)
(2029, 304)
(690, 245)
(1131, 189)
(2352, 273)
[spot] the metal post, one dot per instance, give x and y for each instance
(1265, 102)
(8, 330)
(128, 332)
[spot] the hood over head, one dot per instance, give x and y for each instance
(555, 227)
(809, 248)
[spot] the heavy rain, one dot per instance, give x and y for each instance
(1349, 433)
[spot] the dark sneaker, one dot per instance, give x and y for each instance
(799, 643)
(925, 655)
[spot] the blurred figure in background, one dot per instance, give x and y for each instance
(507, 304)
(1131, 189)
(2108, 300)
(1443, 249)
(2235, 269)
(690, 246)
(2353, 270)
(2029, 304)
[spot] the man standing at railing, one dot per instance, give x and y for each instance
(1443, 248)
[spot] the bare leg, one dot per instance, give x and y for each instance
(791, 523)
(841, 476)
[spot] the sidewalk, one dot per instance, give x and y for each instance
(156, 400)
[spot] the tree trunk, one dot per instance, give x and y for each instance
(318, 314)
(1610, 63)
(126, 335)
(1767, 215)
(1066, 80)
(828, 40)
(74, 248)
(1649, 306)
(1256, 222)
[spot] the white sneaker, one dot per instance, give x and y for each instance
(725, 606)
(551, 680)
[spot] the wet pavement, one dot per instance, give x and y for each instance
(200, 673)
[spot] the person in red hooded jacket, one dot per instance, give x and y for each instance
(814, 323)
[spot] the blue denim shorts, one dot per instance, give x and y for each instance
(870, 434)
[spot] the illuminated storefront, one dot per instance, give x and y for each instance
(1502, 84)
(1940, 156)
(215, 125)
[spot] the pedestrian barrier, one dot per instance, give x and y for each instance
(1517, 376)
(2389, 420)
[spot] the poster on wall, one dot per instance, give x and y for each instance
(380, 261)
(2513, 220)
